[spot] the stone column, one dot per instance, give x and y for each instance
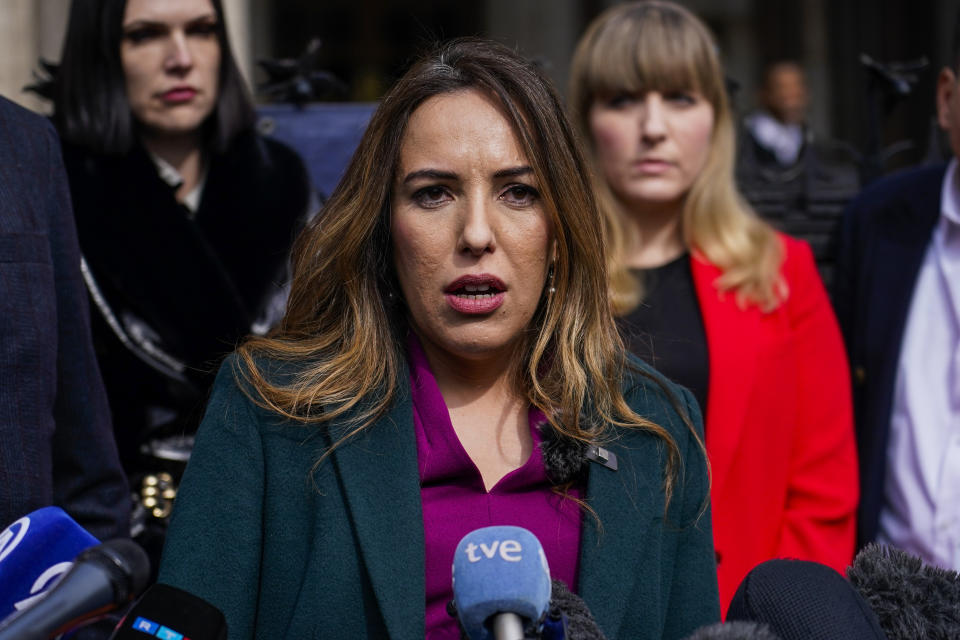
(238, 15)
(29, 29)
(19, 33)
(544, 29)
(816, 62)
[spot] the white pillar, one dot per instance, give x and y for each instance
(30, 30)
(51, 27)
(238, 16)
(19, 35)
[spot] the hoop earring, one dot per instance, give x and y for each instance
(550, 288)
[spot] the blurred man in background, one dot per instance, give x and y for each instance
(797, 181)
(778, 128)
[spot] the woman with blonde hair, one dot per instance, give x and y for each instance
(711, 295)
(447, 361)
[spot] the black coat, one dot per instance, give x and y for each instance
(182, 288)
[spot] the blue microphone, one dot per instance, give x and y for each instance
(101, 579)
(501, 583)
(34, 552)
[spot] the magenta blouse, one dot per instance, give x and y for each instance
(455, 501)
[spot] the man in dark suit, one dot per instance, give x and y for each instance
(897, 296)
(56, 443)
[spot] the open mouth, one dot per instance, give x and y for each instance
(476, 294)
(476, 291)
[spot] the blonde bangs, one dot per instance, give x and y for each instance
(642, 47)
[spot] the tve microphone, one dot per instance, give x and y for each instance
(170, 613)
(101, 579)
(501, 583)
(35, 551)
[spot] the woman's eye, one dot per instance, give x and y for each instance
(430, 196)
(621, 100)
(139, 35)
(520, 195)
(680, 97)
(203, 29)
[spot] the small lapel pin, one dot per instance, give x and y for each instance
(602, 456)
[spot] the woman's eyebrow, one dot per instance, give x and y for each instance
(143, 22)
(149, 22)
(435, 174)
(513, 172)
(207, 17)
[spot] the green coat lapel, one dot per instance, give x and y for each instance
(627, 502)
(378, 470)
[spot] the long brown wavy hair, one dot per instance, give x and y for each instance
(344, 330)
(655, 45)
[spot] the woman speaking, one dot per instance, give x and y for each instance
(447, 361)
(712, 296)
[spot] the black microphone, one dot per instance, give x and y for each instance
(911, 599)
(101, 579)
(803, 600)
(171, 614)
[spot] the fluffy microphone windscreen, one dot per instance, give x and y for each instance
(499, 570)
(803, 600)
(911, 599)
(570, 608)
(736, 630)
(34, 551)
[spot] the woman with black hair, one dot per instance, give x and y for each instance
(185, 215)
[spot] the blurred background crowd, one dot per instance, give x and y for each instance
(367, 44)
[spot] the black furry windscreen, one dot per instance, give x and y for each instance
(912, 599)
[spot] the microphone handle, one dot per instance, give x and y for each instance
(83, 593)
(507, 626)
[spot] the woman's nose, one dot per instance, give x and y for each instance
(179, 57)
(652, 118)
(477, 235)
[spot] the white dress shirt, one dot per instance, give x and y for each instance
(784, 141)
(169, 174)
(921, 510)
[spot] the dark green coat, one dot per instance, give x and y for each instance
(289, 550)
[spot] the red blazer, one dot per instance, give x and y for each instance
(779, 425)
